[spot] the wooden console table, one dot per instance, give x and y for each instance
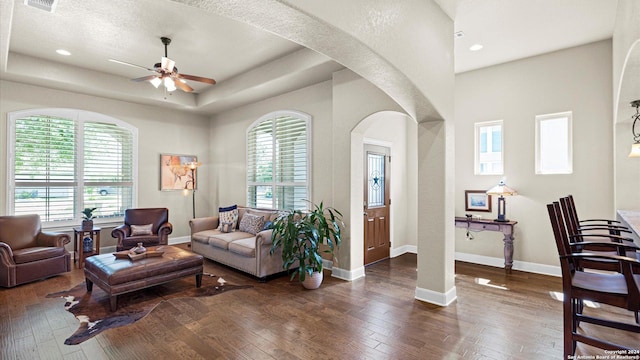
(490, 225)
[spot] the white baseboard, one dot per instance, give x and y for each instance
(517, 265)
(403, 250)
(432, 297)
(179, 240)
(348, 275)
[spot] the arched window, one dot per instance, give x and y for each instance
(64, 160)
(278, 161)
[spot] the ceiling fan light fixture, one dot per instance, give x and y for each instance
(169, 84)
(155, 82)
(166, 72)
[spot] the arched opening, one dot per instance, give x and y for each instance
(397, 131)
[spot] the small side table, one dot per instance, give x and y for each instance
(78, 237)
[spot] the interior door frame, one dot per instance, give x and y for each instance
(382, 149)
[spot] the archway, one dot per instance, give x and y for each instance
(397, 131)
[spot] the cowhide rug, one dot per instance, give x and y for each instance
(92, 309)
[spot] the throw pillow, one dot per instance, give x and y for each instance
(251, 224)
(226, 227)
(228, 214)
(137, 230)
(267, 225)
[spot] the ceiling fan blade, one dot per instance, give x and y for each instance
(167, 64)
(144, 78)
(183, 86)
(129, 64)
(196, 78)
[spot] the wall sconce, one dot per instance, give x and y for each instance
(635, 147)
(502, 190)
(192, 165)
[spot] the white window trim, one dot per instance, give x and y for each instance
(75, 115)
(272, 115)
(540, 118)
(476, 147)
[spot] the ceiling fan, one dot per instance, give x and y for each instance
(167, 73)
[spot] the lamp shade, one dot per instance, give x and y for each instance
(635, 150)
(155, 82)
(502, 190)
(193, 164)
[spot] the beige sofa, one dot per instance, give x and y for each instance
(237, 249)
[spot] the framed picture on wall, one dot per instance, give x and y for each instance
(175, 173)
(477, 200)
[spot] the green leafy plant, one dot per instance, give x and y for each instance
(300, 234)
(87, 213)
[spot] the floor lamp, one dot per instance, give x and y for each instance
(192, 165)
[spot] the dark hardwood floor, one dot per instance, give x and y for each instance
(496, 316)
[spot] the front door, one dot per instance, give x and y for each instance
(376, 204)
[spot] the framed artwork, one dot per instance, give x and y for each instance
(477, 200)
(175, 173)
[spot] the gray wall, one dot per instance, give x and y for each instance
(576, 79)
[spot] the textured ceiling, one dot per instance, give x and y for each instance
(515, 29)
(249, 64)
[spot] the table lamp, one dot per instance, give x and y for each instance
(502, 190)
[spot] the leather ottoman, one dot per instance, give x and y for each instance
(119, 276)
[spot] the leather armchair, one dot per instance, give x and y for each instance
(27, 253)
(158, 218)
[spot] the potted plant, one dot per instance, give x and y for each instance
(300, 234)
(87, 218)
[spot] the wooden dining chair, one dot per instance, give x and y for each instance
(619, 289)
(577, 234)
(614, 227)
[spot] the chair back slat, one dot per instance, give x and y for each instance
(562, 241)
(570, 215)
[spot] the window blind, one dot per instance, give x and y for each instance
(277, 162)
(63, 164)
(108, 165)
(45, 157)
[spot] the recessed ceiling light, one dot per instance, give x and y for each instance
(63, 52)
(458, 34)
(476, 47)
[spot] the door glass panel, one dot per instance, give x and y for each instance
(376, 179)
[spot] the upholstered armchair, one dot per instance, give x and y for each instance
(149, 226)
(27, 253)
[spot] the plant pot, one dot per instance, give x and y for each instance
(313, 282)
(87, 224)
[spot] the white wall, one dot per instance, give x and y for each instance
(576, 79)
(159, 131)
(354, 98)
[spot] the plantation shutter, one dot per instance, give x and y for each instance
(65, 160)
(44, 168)
(108, 165)
(277, 162)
